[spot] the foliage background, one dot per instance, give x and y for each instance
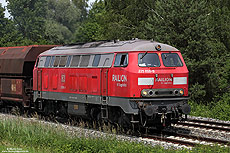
(200, 29)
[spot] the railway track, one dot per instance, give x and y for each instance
(169, 139)
(211, 125)
(185, 139)
(173, 135)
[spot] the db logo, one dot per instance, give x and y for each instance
(62, 78)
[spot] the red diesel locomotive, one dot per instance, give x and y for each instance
(136, 82)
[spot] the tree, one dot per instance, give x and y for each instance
(93, 28)
(186, 25)
(9, 36)
(126, 18)
(89, 32)
(57, 33)
(62, 20)
(220, 20)
(116, 19)
(83, 6)
(28, 17)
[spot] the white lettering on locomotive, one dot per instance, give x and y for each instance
(121, 85)
(163, 79)
(146, 71)
(119, 78)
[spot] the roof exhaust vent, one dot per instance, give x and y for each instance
(116, 40)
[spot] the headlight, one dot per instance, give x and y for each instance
(181, 92)
(144, 93)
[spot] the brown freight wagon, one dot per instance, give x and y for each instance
(16, 73)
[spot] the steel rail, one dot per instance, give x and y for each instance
(209, 122)
(204, 126)
(212, 140)
(171, 140)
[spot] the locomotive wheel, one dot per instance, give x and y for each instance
(124, 121)
(99, 119)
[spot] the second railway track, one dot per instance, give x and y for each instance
(185, 139)
(212, 125)
(182, 133)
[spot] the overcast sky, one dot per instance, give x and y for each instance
(7, 13)
(4, 4)
(2, 1)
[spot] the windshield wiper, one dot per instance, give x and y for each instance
(166, 56)
(143, 55)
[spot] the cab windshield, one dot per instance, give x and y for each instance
(148, 60)
(171, 60)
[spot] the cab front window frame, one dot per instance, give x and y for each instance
(148, 60)
(171, 60)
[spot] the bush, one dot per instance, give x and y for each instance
(217, 110)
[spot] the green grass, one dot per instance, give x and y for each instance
(5, 146)
(36, 137)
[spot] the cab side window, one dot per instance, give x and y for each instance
(41, 62)
(63, 61)
(84, 60)
(69, 58)
(47, 61)
(121, 60)
(52, 61)
(96, 60)
(56, 62)
(75, 61)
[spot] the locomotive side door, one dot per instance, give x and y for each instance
(104, 85)
(104, 93)
(104, 82)
(39, 83)
(104, 88)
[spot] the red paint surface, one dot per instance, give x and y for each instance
(99, 81)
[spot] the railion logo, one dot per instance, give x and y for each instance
(119, 78)
(164, 80)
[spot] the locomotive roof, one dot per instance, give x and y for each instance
(109, 47)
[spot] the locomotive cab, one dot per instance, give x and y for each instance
(161, 85)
